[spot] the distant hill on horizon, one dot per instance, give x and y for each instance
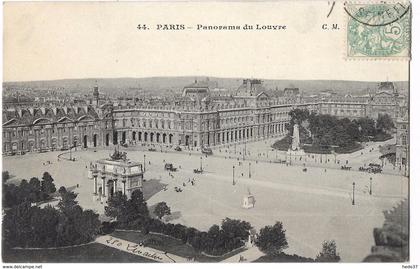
(176, 84)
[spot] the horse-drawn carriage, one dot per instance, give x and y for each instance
(372, 168)
(198, 171)
(170, 167)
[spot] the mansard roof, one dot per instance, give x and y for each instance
(386, 86)
(250, 87)
(42, 115)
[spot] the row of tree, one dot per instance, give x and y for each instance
(33, 191)
(325, 131)
(25, 225)
(272, 241)
(133, 213)
(32, 226)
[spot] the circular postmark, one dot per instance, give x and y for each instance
(378, 30)
(380, 14)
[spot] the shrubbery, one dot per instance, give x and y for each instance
(328, 253)
(216, 241)
(380, 137)
(133, 214)
(33, 191)
(272, 239)
(31, 226)
(5, 176)
(161, 210)
(323, 132)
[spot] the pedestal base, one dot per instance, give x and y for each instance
(299, 152)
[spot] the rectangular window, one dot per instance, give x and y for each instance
(403, 140)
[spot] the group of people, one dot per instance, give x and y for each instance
(184, 184)
(47, 163)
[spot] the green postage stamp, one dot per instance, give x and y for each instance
(378, 30)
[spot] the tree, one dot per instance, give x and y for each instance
(236, 228)
(272, 239)
(367, 128)
(328, 252)
(297, 116)
(62, 190)
(17, 229)
(35, 190)
(137, 211)
(11, 195)
(384, 123)
(31, 226)
(47, 185)
(88, 225)
(161, 210)
(67, 202)
(44, 223)
(5, 176)
(131, 213)
(117, 207)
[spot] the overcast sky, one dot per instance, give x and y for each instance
(44, 41)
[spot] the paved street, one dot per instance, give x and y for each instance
(314, 206)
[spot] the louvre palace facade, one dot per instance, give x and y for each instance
(195, 118)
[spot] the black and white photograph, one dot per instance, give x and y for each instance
(206, 132)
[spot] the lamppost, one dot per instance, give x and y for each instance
(233, 175)
(144, 163)
(249, 174)
(370, 187)
(352, 201)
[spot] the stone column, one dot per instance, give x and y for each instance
(124, 181)
(115, 185)
(95, 184)
(103, 186)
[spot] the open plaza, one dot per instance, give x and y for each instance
(314, 204)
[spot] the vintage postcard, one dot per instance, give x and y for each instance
(193, 132)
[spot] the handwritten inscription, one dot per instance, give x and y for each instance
(137, 249)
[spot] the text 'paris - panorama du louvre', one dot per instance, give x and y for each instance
(202, 27)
